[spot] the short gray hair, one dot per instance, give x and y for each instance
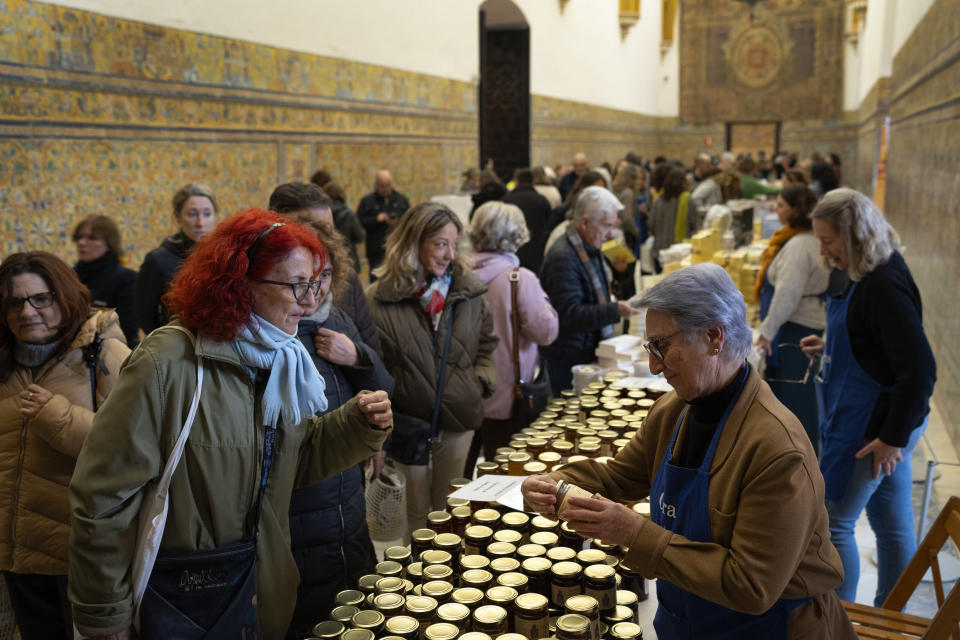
(594, 202)
(867, 236)
(498, 226)
(701, 297)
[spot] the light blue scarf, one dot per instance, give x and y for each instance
(294, 388)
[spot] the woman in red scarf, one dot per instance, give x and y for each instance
(790, 287)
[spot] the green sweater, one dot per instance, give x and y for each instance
(750, 187)
(214, 489)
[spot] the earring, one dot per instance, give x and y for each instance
(716, 350)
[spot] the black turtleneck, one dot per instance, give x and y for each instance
(111, 286)
(704, 417)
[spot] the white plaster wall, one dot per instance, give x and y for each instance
(876, 44)
(437, 37)
(578, 55)
(908, 14)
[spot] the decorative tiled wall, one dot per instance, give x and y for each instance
(923, 184)
(102, 115)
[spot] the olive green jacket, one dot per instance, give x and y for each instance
(214, 489)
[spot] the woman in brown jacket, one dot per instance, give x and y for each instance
(738, 533)
(424, 278)
(46, 411)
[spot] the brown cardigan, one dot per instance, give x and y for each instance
(767, 514)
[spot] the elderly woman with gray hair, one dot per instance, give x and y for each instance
(738, 533)
(497, 231)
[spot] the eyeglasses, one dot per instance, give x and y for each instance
(814, 365)
(86, 236)
(658, 347)
(37, 301)
(300, 289)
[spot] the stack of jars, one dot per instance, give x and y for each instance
(500, 574)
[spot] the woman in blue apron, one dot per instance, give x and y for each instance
(738, 534)
(789, 286)
(874, 386)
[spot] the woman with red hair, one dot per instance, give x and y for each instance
(224, 567)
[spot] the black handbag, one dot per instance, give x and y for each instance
(412, 437)
(529, 398)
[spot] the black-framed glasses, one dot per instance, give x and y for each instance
(813, 368)
(658, 347)
(300, 289)
(38, 301)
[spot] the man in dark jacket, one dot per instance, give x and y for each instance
(570, 178)
(536, 211)
(574, 277)
(309, 200)
(378, 212)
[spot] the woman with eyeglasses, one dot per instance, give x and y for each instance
(48, 395)
(99, 266)
(738, 533)
(874, 389)
(225, 568)
(789, 287)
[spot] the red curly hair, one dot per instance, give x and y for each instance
(211, 293)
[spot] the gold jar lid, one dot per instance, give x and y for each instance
(438, 517)
(627, 598)
(368, 619)
(560, 554)
(531, 550)
(441, 631)
(349, 597)
(511, 636)
(610, 393)
(591, 556)
(415, 569)
(536, 566)
(546, 414)
(588, 440)
(608, 434)
(401, 625)
(565, 569)
(424, 536)
(510, 536)
(602, 546)
(446, 541)
(389, 601)
(420, 604)
(626, 631)
(573, 623)
(327, 629)
(436, 572)
(489, 614)
(599, 572)
(620, 614)
(520, 456)
(620, 443)
(453, 612)
(478, 531)
(474, 561)
(486, 467)
(437, 589)
(368, 583)
(357, 634)
(397, 554)
(513, 579)
(515, 519)
(582, 604)
(468, 596)
(434, 556)
(567, 393)
(475, 635)
(589, 431)
(549, 457)
(643, 508)
(636, 394)
(344, 613)
(645, 403)
(476, 576)
(562, 446)
(458, 483)
(519, 445)
(389, 568)
(461, 512)
(453, 503)
(542, 523)
(534, 468)
(573, 459)
(531, 602)
(392, 584)
(504, 565)
(536, 443)
(501, 594)
(602, 414)
(486, 517)
(504, 451)
(500, 549)
(407, 585)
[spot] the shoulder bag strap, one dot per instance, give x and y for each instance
(515, 322)
(91, 356)
(441, 379)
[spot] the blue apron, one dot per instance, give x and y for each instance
(766, 298)
(846, 398)
(679, 503)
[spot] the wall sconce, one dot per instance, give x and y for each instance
(563, 5)
(629, 16)
(668, 19)
(856, 19)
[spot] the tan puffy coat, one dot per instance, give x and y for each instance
(37, 456)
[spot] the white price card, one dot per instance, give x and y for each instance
(488, 488)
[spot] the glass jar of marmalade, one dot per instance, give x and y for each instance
(439, 522)
(486, 468)
(490, 619)
(449, 542)
(626, 631)
(560, 554)
(573, 626)
(487, 517)
(508, 535)
(570, 538)
(476, 578)
(501, 550)
(633, 581)
(405, 627)
(473, 561)
(530, 617)
(369, 619)
(389, 604)
(499, 566)
(476, 538)
(600, 582)
(422, 609)
(456, 614)
(546, 539)
(516, 521)
(530, 550)
(587, 607)
(344, 613)
(349, 597)
(627, 598)
(415, 572)
(437, 572)
(549, 459)
(439, 590)
(461, 519)
(392, 584)
(441, 631)
(565, 581)
(421, 540)
(515, 580)
(469, 597)
(328, 630)
(389, 569)
(435, 556)
(537, 571)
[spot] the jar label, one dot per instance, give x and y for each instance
(606, 598)
(532, 629)
(559, 595)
